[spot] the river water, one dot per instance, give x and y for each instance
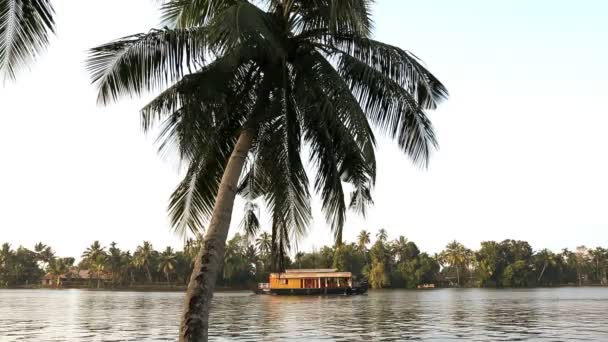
(564, 314)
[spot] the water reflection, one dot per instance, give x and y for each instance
(570, 314)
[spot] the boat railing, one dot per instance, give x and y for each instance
(263, 285)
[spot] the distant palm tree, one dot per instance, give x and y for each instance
(98, 266)
(547, 258)
(115, 262)
(599, 256)
(382, 235)
(192, 246)
(285, 74)
(167, 262)
(25, 26)
(44, 253)
(455, 255)
(264, 244)
(363, 240)
(56, 268)
(143, 257)
(93, 252)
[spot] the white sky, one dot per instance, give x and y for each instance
(523, 142)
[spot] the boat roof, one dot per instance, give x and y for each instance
(312, 273)
(311, 270)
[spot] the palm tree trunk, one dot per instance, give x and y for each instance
(149, 274)
(542, 272)
(458, 276)
(195, 318)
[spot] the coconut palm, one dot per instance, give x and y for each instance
(143, 258)
(167, 262)
(56, 268)
(456, 256)
(382, 235)
(115, 262)
(264, 244)
(287, 73)
(599, 256)
(547, 258)
(98, 266)
(363, 240)
(25, 27)
(44, 253)
(192, 246)
(94, 251)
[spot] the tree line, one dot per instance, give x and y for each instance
(396, 263)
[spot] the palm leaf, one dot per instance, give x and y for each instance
(334, 16)
(144, 62)
(189, 13)
(25, 26)
(392, 108)
(399, 65)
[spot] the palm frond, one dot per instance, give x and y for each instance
(145, 62)
(246, 24)
(191, 204)
(391, 107)
(397, 64)
(25, 26)
(334, 16)
(287, 193)
(189, 13)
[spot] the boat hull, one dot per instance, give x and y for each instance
(313, 292)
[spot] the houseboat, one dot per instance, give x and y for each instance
(311, 282)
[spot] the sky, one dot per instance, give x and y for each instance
(522, 138)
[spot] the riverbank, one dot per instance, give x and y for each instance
(134, 288)
(182, 288)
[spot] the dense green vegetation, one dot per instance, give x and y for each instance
(394, 263)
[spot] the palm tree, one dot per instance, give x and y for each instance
(547, 258)
(143, 257)
(44, 253)
(167, 262)
(598, 256)
(98, 266)
(264, 244)
(115, 261)
(382, 235)
(455, 255)
(25, 26)
(56, 268)
(363, 240)
(192, 246)
(289, 73)
(93, 252)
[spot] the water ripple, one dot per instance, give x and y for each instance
(567, 314)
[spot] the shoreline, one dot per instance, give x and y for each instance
(243, 289)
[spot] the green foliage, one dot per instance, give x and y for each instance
(19, 267)
(394, 263)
